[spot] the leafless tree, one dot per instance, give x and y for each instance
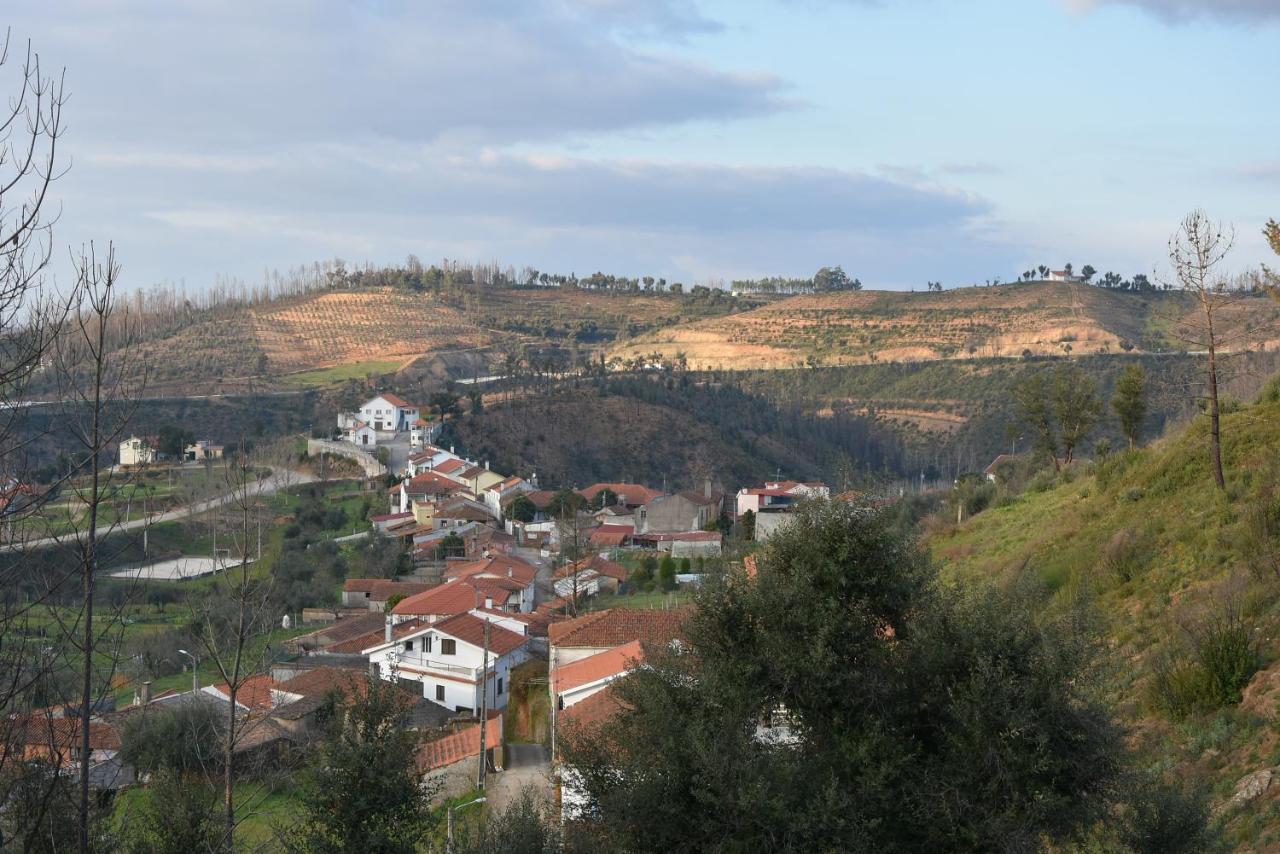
(1197, 253)
(235, 615)
(100, 378)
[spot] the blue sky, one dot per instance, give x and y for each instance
(908, 140)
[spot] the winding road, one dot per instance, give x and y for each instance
(268, 485)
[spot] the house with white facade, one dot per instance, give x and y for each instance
(137, 451)
(457, 661)
(779, 495)
(388, 413)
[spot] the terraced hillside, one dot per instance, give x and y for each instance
(859, 327)
(1172, 568)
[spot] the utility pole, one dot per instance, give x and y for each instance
(484, 706)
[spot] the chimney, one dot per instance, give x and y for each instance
(387, 631)
(451, 450)
(488, 602)
(706, 487)
(144, 694)
(486, 465)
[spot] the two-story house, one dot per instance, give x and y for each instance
(388, 413)
(455, 660)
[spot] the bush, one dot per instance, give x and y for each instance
(1271, 391)
(1125, 555)
(1223, 658)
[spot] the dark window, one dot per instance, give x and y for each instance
(408, 646)
(448, 646)
(499, 684)
(439, 692)
(426, 644)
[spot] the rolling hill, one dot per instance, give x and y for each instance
(860, 327)
(1170, 566)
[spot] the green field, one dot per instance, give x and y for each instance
(322, 377)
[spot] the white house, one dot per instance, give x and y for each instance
(500, 494)
(448, 659)
(778, 495)
(422, 432)
(388, 413)
(1062, 276)
(360, 433)
(137, 451)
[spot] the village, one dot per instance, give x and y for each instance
(517, 606)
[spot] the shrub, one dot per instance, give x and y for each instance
(1223, 658)
(1125, 555)
(1271, 391)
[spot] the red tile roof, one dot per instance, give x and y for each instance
(397, 401)
(254, 692)
(591, 712)
(617, 626)
(444, 752)
(541, 498)
(387, 517)
(470, 629)
(602, 665)
(384, 589)
(450, 465)
(683, 537)
(601, 565)
(452, 597)
(630, 493)
(357, 645)
(321, 680)
(496, 566)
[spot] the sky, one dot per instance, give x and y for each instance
(696, 140)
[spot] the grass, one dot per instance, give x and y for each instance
(260, 809)
(337, 374)
(1195, 558)
(649, 599)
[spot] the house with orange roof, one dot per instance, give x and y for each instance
(452, 758)
(627, 494)
(458, 660)
(576, 681)
(598, 631)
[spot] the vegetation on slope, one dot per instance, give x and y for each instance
(1187, 582)
(649, 429)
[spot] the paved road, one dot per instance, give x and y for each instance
(527, 766)
(267, 486)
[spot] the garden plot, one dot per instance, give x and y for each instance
(179, 569)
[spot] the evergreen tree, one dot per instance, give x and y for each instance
(1130, 402)
(364, 790)
(918, 718)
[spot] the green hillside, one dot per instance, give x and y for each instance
(1186, 582)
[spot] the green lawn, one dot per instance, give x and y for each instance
(340, 373)
(652, 599)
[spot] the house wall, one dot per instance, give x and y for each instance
(561, 655)
(673, 513)
(461, 689)
(767, 524)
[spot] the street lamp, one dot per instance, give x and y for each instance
(448, 845)
(195, 677)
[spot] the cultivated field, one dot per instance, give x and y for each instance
(880, 326)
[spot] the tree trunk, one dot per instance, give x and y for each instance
(1215, 435)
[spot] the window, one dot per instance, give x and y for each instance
(499, 686)
(408, 646)
(440, 693)
(448, 646)
(426, 644)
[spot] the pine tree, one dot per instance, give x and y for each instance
(1130, 402)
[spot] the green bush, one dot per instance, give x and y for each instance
(1223, 658)
(1125, 555)
(1271, 391)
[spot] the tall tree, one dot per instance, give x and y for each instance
(1076, 406)
(1034, 411)
(364, 790)
(1197, 251)
(1130, 402)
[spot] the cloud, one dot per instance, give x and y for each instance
(1179, 11)
(217, 74)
